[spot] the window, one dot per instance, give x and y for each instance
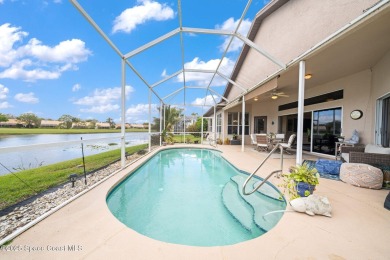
(235, 123)
(219, 123)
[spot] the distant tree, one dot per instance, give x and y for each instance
(192, 129)
(91, 123)
(30, 120)
(68, 120)
(172, 116)
(197, 126)
(3, 118)
(111, 122)
(9, 116)
(194, 115)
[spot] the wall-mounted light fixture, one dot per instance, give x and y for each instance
(274, 96)
(308, 76)
(255, 99)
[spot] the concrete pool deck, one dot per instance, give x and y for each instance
(86, 229)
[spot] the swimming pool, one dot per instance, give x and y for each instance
(192, 197)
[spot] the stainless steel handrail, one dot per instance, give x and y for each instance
(278, 146)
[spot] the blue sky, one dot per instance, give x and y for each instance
(52, 61)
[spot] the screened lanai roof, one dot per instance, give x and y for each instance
(193, 78)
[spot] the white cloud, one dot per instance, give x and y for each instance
(34, 60)
(57, 1)
(139, 113)
(209, 100)
(4, 105)
(101, 109)
(103, 100)
(3, 92)
(231, 25)
(27, 98)
(76, 87)
(9, 36)
(1, 1)
(164, 73)
(18, 71)
(147, 10)
(69, 51)
(203, 79)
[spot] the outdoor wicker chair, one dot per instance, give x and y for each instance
(357, 155)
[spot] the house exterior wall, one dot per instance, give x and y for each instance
(381, 87)
(361, 90)
(291, 30)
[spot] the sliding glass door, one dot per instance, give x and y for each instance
(326, 129)
(382, 130)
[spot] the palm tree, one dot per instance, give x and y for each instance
(172, 116)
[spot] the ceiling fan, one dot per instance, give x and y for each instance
(275, 94)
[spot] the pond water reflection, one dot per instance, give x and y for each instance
(35, 157)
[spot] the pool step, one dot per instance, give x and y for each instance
(260, 203)
(268, 190)
(237, 207)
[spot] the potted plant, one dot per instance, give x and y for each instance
(234, 136)
(271, 135)
(301, 181)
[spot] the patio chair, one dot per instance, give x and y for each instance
(287, 145)
(279, 137)
(262, 142)
(253, 140)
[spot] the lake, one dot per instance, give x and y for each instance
(32, 157)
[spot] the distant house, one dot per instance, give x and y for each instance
(118, 126)
(184, 122)
(138, 126)
(12, 123)
(80, 125)
(103, 126)
(51, 123)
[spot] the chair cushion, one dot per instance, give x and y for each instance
(328, 166)
(371, 148)
(345, 156)
(361, 175)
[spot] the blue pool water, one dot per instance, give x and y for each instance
(187, 196)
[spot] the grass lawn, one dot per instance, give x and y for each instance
(189, 138)
(24, 131)
(12, 190)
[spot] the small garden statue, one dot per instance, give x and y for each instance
(312, 205)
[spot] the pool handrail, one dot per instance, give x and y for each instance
(277, 146)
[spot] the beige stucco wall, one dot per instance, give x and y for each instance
(291, 30)
(361, 91)
(356, 88)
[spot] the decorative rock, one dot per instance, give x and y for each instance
(361, 175)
